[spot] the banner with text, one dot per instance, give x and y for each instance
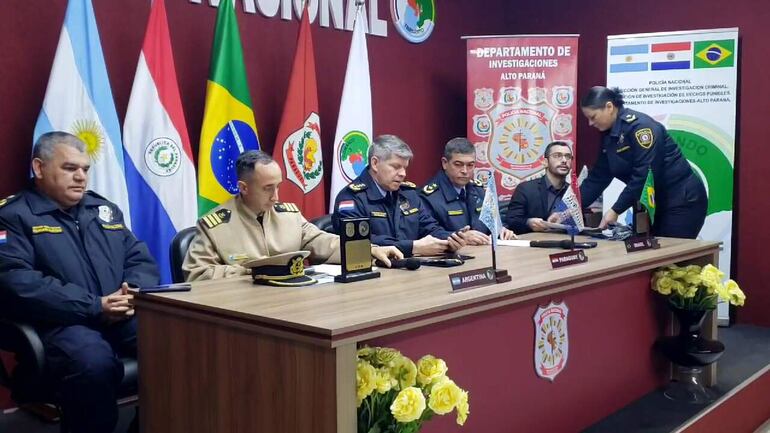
(688, 82)
(521, 96)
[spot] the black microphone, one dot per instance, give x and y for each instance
(410, 263)
(564, 243)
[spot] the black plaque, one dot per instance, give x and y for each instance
(355, 251)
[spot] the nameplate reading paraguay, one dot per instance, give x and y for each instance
(567, 258)
(474, 278)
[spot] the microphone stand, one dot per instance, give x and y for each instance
(501, 275)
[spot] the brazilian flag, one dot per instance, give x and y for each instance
(228, 120)
(714, 54)
(648, 196)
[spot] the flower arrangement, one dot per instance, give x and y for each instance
(696, 288)
(395, 395)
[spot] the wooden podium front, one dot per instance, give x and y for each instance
(231, 357)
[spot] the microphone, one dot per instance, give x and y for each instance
(442, 263)
(410, 263)
(566, 244)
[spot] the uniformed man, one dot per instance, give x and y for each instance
(254, 224)
(632, 144)
(66, 261)
(397, 215)
(533, 201)
(452, 196)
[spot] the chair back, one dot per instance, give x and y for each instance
(324, 222)
(178, 251)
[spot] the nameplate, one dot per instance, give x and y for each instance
(567, 258)
(640, 244)
(473, 278)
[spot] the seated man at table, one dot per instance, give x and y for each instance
(66, 261)
(397, 215)
(254, 224)
(533, 201)
(454, 199)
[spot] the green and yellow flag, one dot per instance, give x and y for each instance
(648, 196)
(228, 120)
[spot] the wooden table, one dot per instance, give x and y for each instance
(230, 356)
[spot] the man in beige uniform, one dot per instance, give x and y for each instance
(254, 224)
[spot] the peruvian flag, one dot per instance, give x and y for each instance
(298, 145)
(160, 174)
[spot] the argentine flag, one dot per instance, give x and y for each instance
(159, 166)
(79, 100)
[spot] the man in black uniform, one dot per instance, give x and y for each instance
(395, 211)
(533, 201)
(66, 262)
(453, 198)
(633, 143)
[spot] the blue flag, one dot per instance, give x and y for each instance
(490, 211)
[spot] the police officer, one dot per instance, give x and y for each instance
(66, 261)
(397, 215)
(254, 224)
(632, 143)
(453, 198)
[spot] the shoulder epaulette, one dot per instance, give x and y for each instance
(95, 194)
(430, 188)
(408, 185)
(357, 187)
(478, 182)
(286, 207)
(629, 118)
(8, 199)
(216, 218)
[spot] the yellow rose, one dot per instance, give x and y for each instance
(736, 295)
(679, 288)
(365, 352)
(430, 369)
(693, 278)
(463, 409)
(408, 405)
(690, 291)
(712, 271)
(722, 292)
(384, 381)
(386, 356)
(444, 396)
(366, 380)
(664, 285)
(678, 274)
(693, 269)
(404, 371)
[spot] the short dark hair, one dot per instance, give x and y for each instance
(598, 97)
(246, 161)
(459, 145)
(552, 144)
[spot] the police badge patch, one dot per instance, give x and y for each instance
(483, 98)
(105, 213)
(644, 137)
(551, 340)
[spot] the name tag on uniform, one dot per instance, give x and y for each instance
(622, 149)
(46, 229)
(455, 212)
(411, 211)
(378, 214)
(112, 226)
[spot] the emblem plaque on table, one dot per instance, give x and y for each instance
(355, 251)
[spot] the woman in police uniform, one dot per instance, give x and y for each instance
(632, 144)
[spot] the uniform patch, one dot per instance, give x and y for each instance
(379, 214)
(286, 207)
(622, 149)
(408, 185)
(478, 182)
(411, 211)
(105, 213)
(46, 229)
(216, 218)
(3, 237)
(629, 118)
(456, 212)
(113, 226)
(644, 137)
(236, 258)
(357, 187)
(346, 206)
(430, 188)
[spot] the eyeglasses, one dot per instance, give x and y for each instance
(558, 155)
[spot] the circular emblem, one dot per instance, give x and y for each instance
(536, 95)
(551, 340)
(413, 19)
(562, 96)
(234, 138)
(352, 154)
(350, 229)
(510, 95)
(162, 156)
(363, 229)
(90, 133)
(490, 274)
(509, 182)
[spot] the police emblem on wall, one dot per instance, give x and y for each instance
(562, 96)
(352, 154)
(562, 124)
(551, 340)
(482, 125)
(162, 156)
(509, 95)
(302, 155)
(483, 98)
(413, 19)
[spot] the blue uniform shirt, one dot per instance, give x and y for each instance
(56, 265)
(398, 219)
(445, 203)
(635, 143)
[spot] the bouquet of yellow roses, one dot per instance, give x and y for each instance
(696, 288)
(395, 395)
